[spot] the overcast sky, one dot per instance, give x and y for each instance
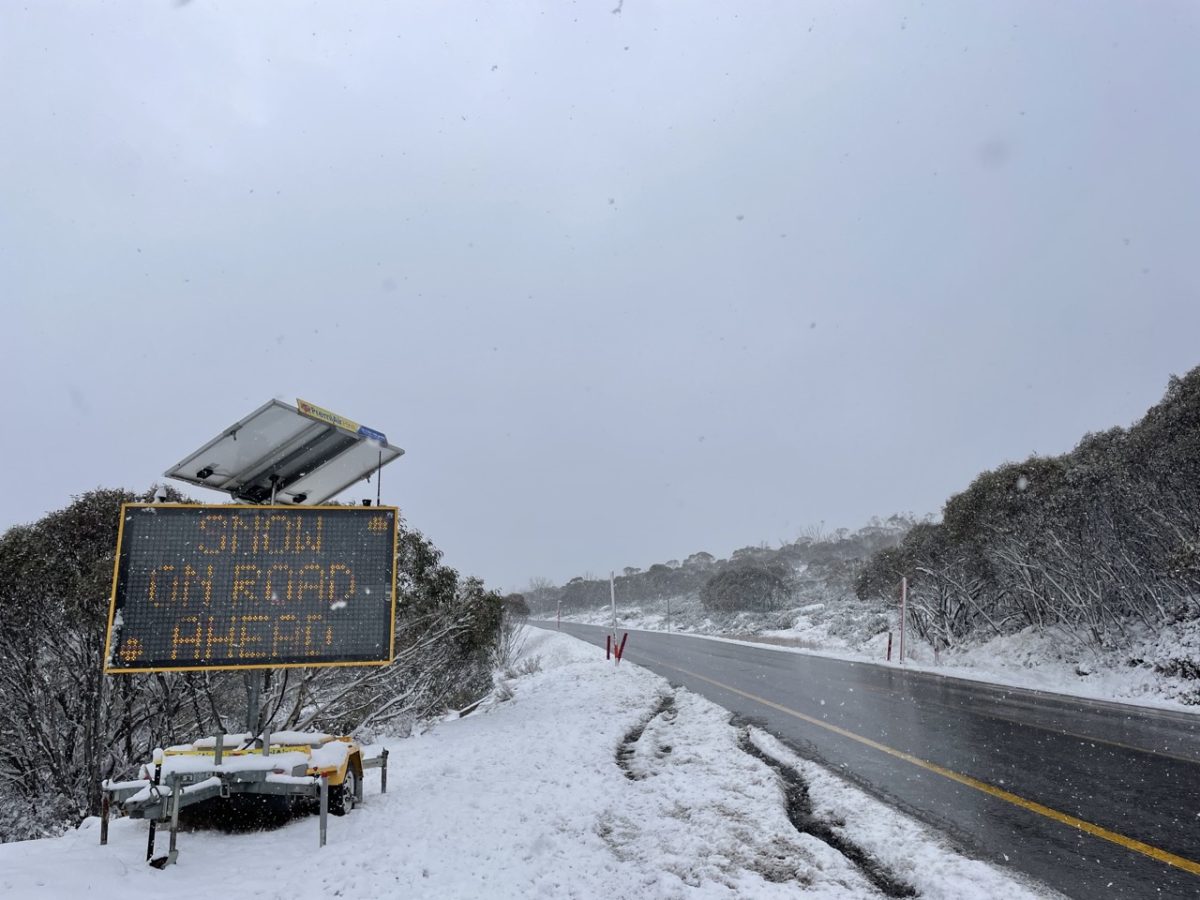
(625, 283)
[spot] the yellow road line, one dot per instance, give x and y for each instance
(1128, 843)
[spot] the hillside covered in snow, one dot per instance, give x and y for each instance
(1078, 572)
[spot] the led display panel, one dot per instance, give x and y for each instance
(242, 587)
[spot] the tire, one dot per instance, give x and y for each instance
(341, 797)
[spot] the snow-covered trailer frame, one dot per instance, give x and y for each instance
(294, 765)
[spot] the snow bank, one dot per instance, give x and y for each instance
(593, 781)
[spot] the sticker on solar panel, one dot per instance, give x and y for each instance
(232, 587)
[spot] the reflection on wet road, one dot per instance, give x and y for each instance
(1095, 799)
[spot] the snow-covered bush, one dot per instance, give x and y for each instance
(748, 586)
(24, 819)
(1098, 542)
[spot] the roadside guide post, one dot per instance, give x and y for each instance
(612, 592)
(612, 647)
(903, 613)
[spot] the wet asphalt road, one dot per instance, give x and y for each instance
(1024, 759)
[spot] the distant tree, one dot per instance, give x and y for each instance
(748, 586)
(813, 534)
(515, 606)
(748, 553)
(541, 595)
(879, 577)
(581, 593)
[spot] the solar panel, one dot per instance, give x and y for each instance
(284, 454)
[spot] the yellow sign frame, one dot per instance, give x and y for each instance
(112, 600)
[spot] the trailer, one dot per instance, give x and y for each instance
(313, 768)
(278, 578)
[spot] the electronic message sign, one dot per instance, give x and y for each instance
(241, 587)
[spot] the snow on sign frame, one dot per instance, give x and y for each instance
(231, 586)
(284, 454)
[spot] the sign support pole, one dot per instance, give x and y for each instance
(253, 701)
(154, 782)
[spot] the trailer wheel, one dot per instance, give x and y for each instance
(341, 797)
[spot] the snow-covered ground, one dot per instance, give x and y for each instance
(592, 781)
(1149, 670)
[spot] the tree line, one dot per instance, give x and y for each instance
(1093, 542)
(755, 578)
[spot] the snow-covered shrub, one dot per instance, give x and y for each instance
(749, 586)
(857, 625)
(503, 692)
(530, 665)
(23, 819)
